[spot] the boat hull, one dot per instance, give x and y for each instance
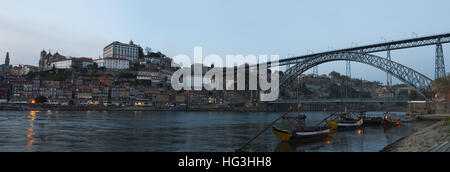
(388, 121)
(286, 136)
(373, 121)
(337, 125)
(313, 134)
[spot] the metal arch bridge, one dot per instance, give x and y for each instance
(412, 78)
(381, 47)
(416, 80)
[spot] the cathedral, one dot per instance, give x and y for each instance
(46, 60)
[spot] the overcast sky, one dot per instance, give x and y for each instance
(85, 27)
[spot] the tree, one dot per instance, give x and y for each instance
(41, 99)
(441, 87)
(148, 51)
(92, 66)
(413, 95)
(335, 75)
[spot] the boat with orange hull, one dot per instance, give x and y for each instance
(391, 120)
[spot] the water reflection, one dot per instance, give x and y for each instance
(172, 132)
(358, 140)
(302, 146)
(30, 130)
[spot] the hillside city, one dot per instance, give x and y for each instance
(127, 76)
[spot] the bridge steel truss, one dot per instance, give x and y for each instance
(414, 79)
(437, 40)
(440, 64)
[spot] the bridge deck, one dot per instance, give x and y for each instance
(380, 47)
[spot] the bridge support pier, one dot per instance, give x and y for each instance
(389, 76)
(316, 71)
(348, 93)
(440, 62)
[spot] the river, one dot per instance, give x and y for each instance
(93, 131)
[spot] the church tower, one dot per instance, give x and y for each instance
(7, 59)
(42, 60)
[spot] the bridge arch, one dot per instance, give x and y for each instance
(414, 79)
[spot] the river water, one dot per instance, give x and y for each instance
(90, 131)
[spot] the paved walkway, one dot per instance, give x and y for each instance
(433, 117)
(444, 147)
(434, 138)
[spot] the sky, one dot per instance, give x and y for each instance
(82, 28)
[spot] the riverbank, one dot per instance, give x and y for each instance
(434, 138)
(137, 108)
(197, 108)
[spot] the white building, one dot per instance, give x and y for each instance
(63, 64)
(153, 76)
(72, 63)
(113, 63)
(120, 50)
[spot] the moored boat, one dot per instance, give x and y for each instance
(309, 133)
(343, 124)
(372, 121)
(391, 120)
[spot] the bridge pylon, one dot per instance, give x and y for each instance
(440, 62)
(316, 71)
(348, 83)
(389, 76)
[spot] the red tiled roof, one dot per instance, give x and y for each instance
(114, 58)
(85, 59)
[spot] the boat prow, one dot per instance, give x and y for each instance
(283, 135)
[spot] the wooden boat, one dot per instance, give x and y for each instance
(343, 124)
(372, 121)
(301, 132)
(309, 133)
(391, 120)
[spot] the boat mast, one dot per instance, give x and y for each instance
(361, 97)
(298, 94)
(343, 108)
(300, 119)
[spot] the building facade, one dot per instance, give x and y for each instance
(120, 50)
(113, 63)
(153, 76)
(78, 63)
(46, 60)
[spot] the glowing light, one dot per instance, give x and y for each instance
(30, 130)
(32, 101)
(359, 132)
(30, 135)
